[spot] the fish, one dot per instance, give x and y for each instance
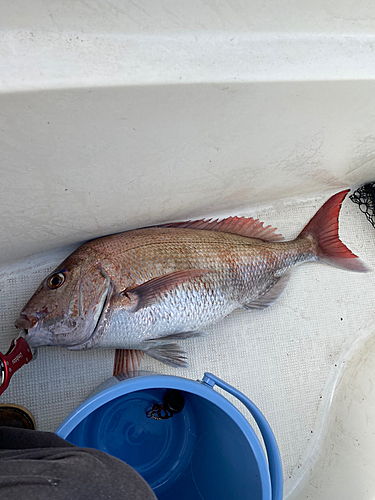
(143, 291)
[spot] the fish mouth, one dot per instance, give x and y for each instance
(36, 337)
(30, 330)
(28, 322)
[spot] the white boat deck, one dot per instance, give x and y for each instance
(117, 114)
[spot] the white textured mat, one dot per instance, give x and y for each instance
(286, 358)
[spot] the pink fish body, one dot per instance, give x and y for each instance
(146, 289)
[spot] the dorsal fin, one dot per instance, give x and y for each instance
(242, 226)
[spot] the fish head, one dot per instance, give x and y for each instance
(68, 305)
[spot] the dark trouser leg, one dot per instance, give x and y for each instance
(40, 465)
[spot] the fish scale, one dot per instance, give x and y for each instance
(242, 270)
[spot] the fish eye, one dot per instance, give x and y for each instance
(56, 280)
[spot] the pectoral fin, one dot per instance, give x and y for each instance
(271, 295)
(170, 354)
(178, 336)
(149, 292)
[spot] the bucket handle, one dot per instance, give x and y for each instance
(273, 454)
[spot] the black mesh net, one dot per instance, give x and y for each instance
(365, 198)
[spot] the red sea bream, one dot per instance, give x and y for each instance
(145, 290)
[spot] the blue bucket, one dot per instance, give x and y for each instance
(206, 451)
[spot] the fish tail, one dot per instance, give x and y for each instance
(324, 229)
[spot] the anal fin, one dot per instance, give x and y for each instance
(127, 360)
(271, 295)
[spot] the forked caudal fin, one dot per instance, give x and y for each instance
(324, 229)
